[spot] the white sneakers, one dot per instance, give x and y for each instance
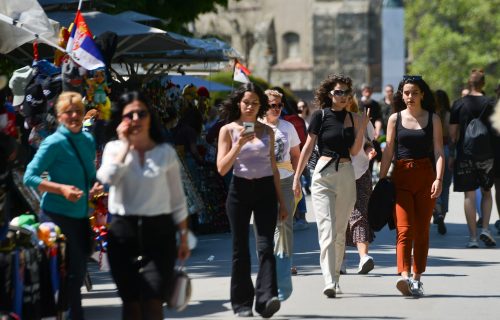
(410, 287)
(472, 243)
(329, 291)
(366, 265)
(487, 238)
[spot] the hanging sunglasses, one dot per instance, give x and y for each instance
(408, 77)
(140, 114)
(276, 106)
(340, 93)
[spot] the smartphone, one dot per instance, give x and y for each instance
(249, 127)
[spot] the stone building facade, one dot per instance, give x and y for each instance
(297, 43)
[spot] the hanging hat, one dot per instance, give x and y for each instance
(203, 92)
(35, 102)
(18, 83)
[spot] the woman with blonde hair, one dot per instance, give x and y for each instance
(68, 156)
(359, 233)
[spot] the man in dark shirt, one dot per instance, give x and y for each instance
(470, 174)
(375, 118)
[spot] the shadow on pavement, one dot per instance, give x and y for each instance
(199, 309)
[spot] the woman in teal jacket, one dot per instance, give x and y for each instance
(68, 156)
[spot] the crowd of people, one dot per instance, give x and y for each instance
(269, 154)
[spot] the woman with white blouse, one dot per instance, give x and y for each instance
(147, 202)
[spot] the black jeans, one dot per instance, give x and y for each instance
(244, 197)
(78, 234)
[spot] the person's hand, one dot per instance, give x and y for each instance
(96, 189)
(183, 251)
(371, 152)
(245, 137)
(296, 187)
(71, 193)
(123, 130)
(437, 187)
(283, 213)
(365, 117)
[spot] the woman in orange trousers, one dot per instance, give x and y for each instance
(415, 140)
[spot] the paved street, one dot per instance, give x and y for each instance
(459, 283)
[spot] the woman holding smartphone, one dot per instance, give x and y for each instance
(255, 187)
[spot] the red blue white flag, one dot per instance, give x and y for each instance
(81, 46)
(240, 73)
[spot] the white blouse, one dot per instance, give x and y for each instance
(149, 190)
(361, 162)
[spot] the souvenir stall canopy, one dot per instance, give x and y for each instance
(182, 81)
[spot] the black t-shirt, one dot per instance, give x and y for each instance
(333, 137)
(469, 107)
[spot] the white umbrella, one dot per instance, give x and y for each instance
(23, 21)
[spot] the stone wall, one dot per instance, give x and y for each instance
(335, 36)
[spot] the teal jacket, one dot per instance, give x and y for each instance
(58, 158)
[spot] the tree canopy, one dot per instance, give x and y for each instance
(177, 12)
(449, 38)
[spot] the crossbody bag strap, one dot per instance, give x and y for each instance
(72, 143)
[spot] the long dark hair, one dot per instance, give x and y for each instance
(442, 101)
(428, 102)
(231, 107)
(155, 129)
(322, 97)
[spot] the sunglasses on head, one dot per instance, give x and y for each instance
(140, 114)
(340, 93)
(408, 77)
(276, 105)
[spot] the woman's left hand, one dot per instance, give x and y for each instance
(436, 189)
(283, 214)
(96, 189)
(183, 251)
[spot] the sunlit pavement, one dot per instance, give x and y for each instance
(459, 283)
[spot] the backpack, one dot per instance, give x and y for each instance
(477, 140)
(300, 126)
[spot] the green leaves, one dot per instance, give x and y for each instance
(448, 38)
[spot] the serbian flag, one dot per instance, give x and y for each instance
(81, 46)
(240, 73)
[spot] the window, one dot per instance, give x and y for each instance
(291, 45)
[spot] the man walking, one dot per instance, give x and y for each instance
(471, 171)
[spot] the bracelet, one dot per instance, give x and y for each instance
(439, 179)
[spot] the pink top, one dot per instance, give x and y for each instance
(253, 161)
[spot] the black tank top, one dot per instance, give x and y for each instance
(414, 144)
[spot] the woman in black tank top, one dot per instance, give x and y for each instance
(415, 142)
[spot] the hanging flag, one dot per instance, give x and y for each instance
(240, 73)
(81, 46)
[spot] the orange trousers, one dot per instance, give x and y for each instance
(413, 181)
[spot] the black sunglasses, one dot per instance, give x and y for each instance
(408, 77)
(140, 114)
(340, 93)
(276, 106)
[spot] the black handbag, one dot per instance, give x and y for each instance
(381, 205)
